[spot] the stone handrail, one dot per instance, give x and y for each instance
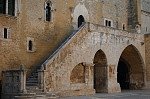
(91, 27)
(62, 45)
(118, 32)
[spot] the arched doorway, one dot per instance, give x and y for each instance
(130, 74)
(80, 20)
(100, 72)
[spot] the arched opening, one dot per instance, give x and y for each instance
(78, 74)
(130, 73)
(100, 72)
(80, 20)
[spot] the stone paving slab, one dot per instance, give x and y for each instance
(130, 94)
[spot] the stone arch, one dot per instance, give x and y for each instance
(80, 9)
(130, 72)
(78, 74)
(100, 71)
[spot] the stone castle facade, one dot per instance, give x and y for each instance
(78, 47)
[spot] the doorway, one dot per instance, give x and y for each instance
(80, 20)
(100, 72)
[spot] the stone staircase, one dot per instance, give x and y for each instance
(33, 91)
(33, 79)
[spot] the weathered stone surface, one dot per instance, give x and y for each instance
(89, 58)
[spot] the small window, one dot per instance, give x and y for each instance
(30, 45)
(108, 23)
(48, 12)
(5, 33)
(123, 27)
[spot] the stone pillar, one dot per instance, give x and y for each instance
(113, 85)
(89, 78)
(41, 79)
(23, 81)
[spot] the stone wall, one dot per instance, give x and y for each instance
(145, 29)
(29, 24)
(147, 57)
(145, 5)
(82, 48)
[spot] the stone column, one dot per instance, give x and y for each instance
(23, 81)
(89, 78)
(41, 79)
(113, 85)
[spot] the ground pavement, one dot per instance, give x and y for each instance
(128, 94)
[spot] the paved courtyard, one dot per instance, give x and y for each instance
(129, 94)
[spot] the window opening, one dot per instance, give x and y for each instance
(123, 27)
(11, 7)
(109, 23)
(5, 33)
(3, 6)
(48, 12)
(80, 20)
(7, 7)
(30, 45)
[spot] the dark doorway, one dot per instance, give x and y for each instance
(80, 20)
(123, 75)
(100, 72)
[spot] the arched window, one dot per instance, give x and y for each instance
(48, 11)
(30, 46)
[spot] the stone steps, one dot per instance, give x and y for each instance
(32, 81)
